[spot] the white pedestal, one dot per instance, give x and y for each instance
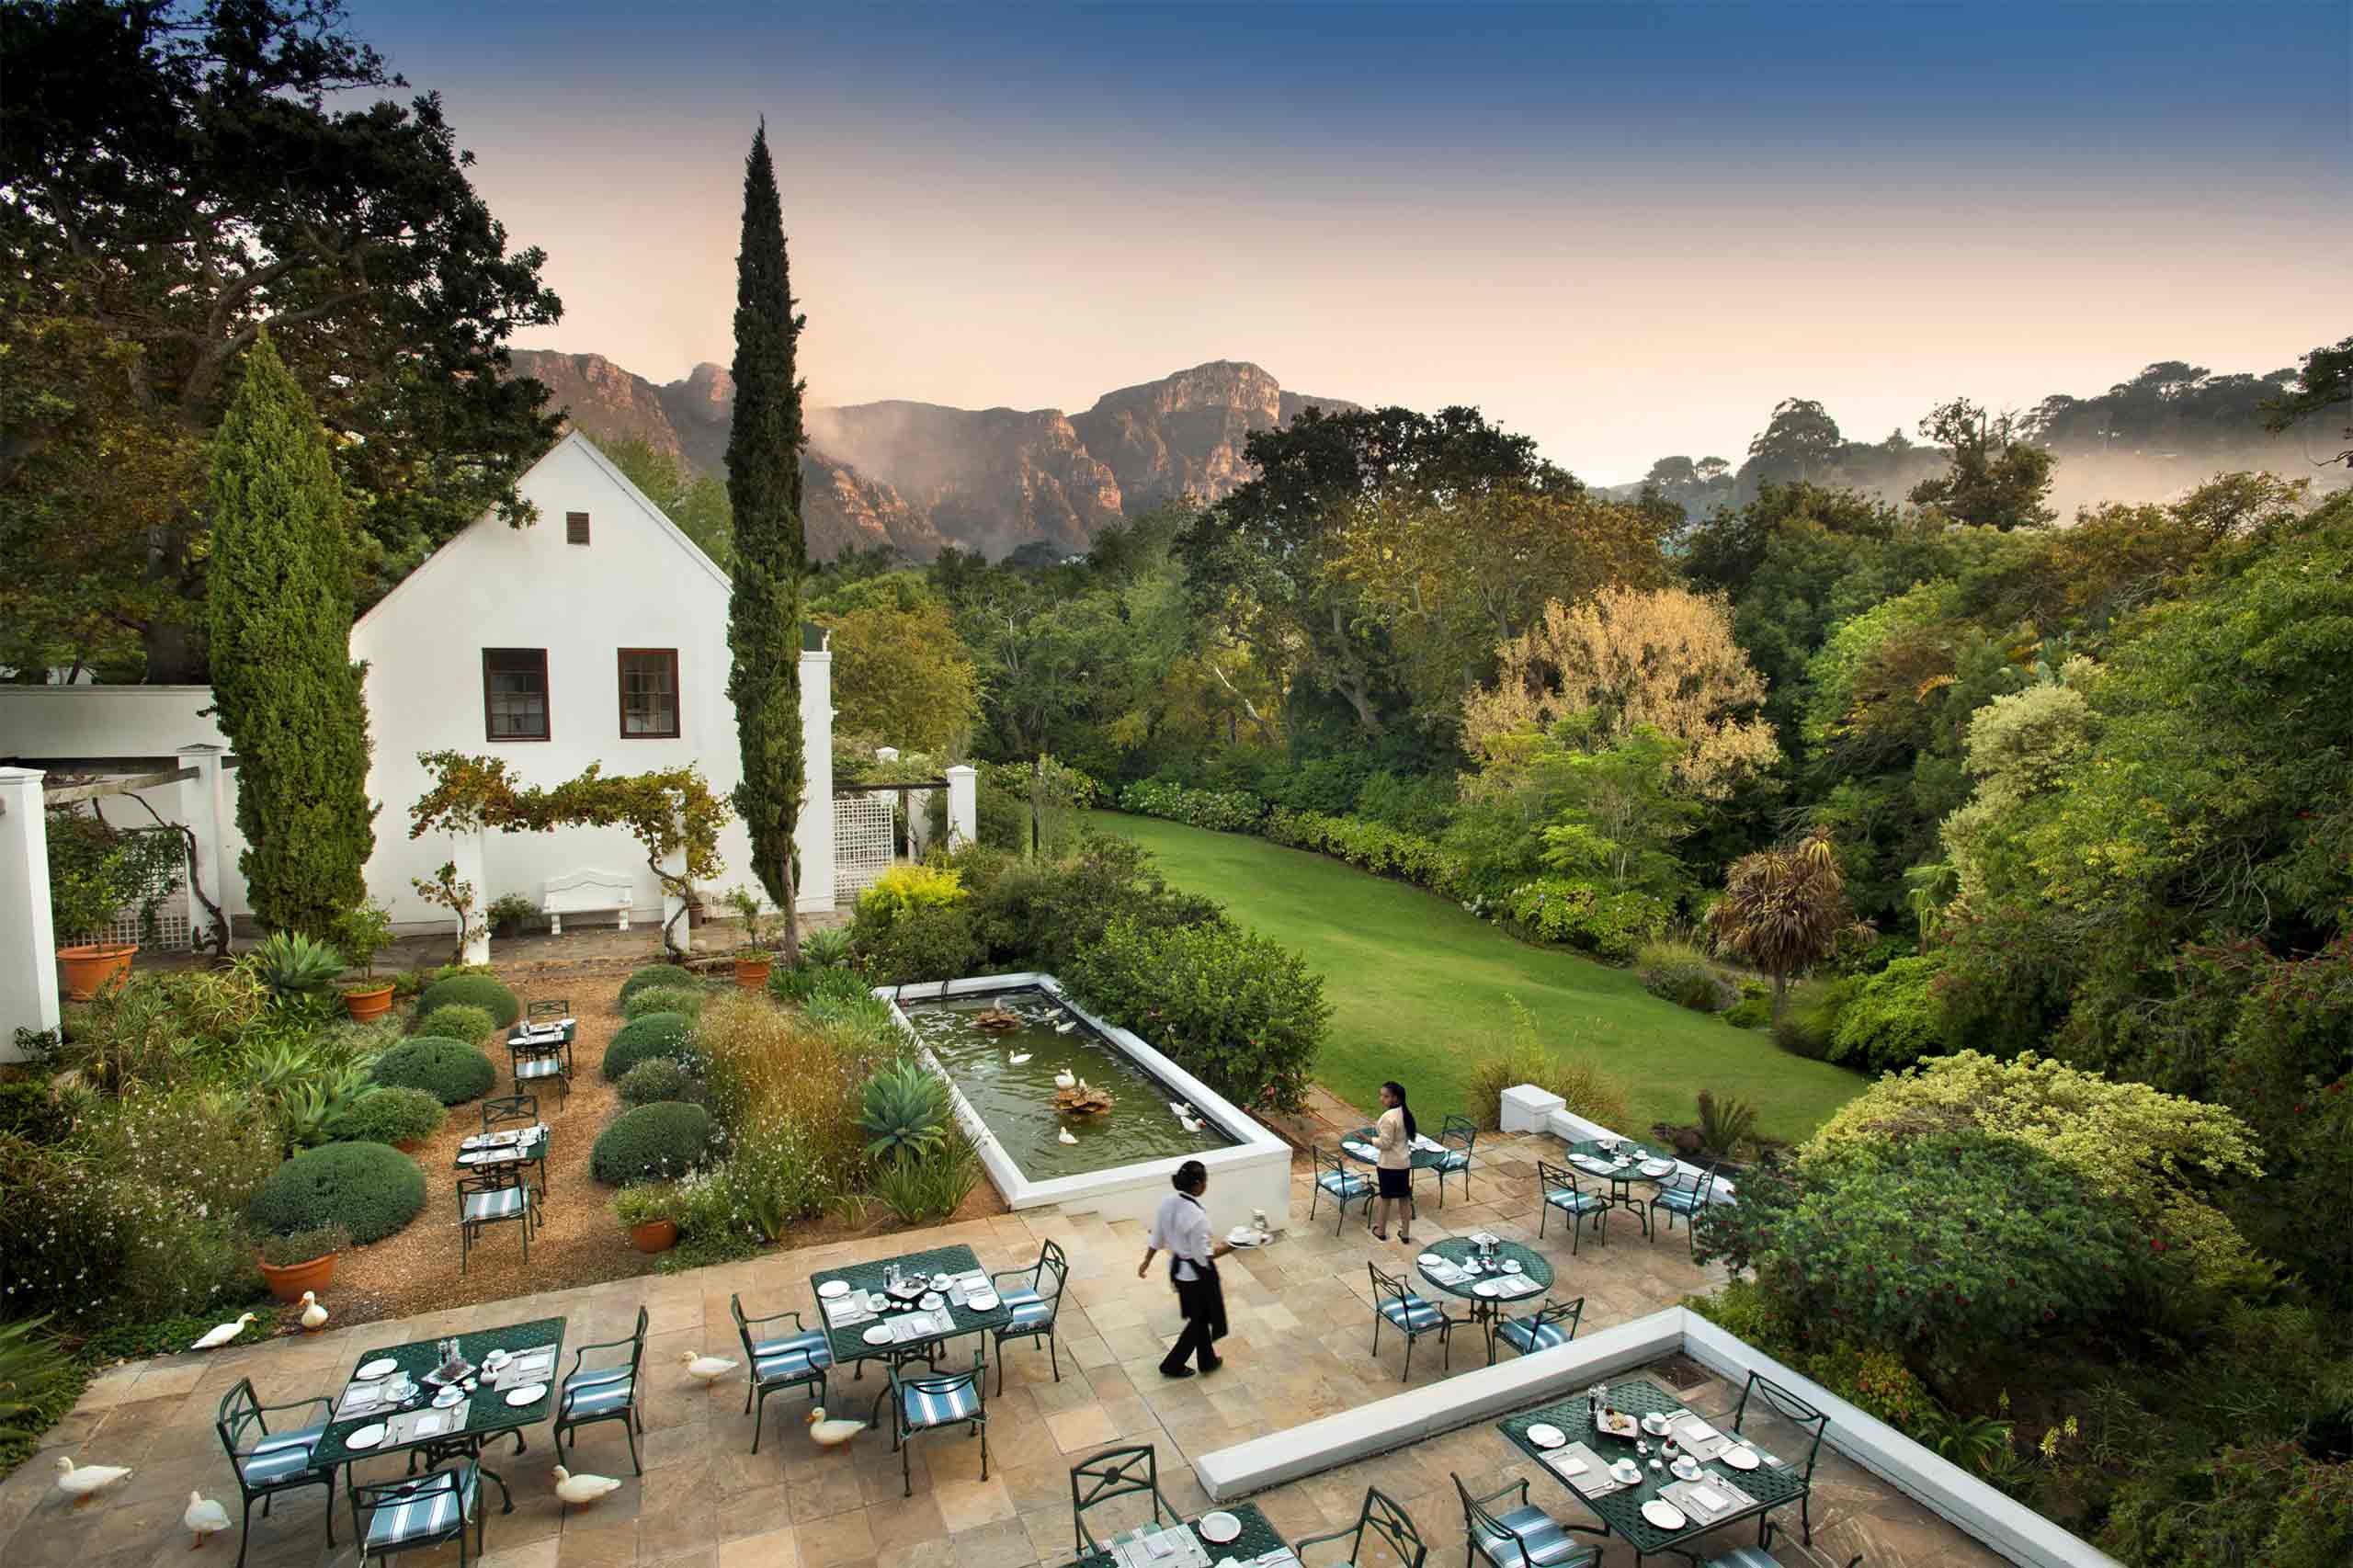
(1526, 1109)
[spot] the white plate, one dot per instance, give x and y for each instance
(1241, 1236)
(1430, 1260)
(1547, 1437)
(1739, 1458)
(1219, 1528)
(1664, 1513)
(382, 1366)
(930, 1299)
(529, 1394)
(878, 1335)
(448, 1397)
(1510, 1267)
(367, 1437)
(832, 1288)
(1485, 1287)
(1656, 1167)
(982, 1303)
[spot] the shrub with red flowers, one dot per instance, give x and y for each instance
(1947, 1245)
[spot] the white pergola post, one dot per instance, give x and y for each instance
(466, 854)
(963, 806)
(27, 966)
(201, 808)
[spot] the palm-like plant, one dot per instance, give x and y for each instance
(905, 1113)
(1726, 1123)
(291, 965)
(1785, 911)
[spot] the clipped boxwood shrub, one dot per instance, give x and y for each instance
(452, 1070)
(371, 1190)
(653, 974)
(457, 1020)
(651, 1142)
(643, 1039)
(684, 999)
(388, 1116)
(475, 991)
(659, 1079)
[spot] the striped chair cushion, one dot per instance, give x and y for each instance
(1549, 1546)
(596, 1398)
(1412, 1314)
(1342, 1184)
(280, 1455)
(796, 1355)
(501, 1203)
(597, 1375)
(1681, 1199)
(1746, 1557)
(1030, 1311)
(430, 1512)
(1454, 1160)
(1527, 1336)
(529, 1067)
(1573, 1201)
(938, 1406)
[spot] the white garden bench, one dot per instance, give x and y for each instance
(583, 893)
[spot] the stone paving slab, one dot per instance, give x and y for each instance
(1301, 1323)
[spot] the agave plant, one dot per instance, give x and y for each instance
(1724, 1124)
(827, 948)
(289, 965)
(907, 1111)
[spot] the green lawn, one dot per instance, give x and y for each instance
(1418, 990)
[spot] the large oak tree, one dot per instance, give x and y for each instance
(181, 176)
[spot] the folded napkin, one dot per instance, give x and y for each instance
(1588, 1162)
(360, 1398)
(1427, 1144)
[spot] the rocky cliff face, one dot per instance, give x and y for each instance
(919, 476)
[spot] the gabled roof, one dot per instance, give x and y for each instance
(653, 513)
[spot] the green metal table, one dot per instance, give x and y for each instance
(1258, 1538)
(1621, 1178)
(849, 1347)
(1464, 1253)
(488, 1414)
(1771, 1485)
(1370, 1137)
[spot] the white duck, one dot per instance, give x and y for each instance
(707, 1368)
(1065, 1079)
(220, 1333)
(315, 1316)
(831, 1434)
(583, 1488)
(1066, 1026)
(1063, 1136)
(1187, 1121)
(83, 1482)
(204, 1518)
(1018, 1058)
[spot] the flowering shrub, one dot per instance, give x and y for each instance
(787, 1090)
(1245, 1014)
(1226, 811)
(1608, 925)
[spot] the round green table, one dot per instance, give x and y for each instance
(1464, 1253)
(1621, 1178)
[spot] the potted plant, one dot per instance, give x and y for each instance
(650, 1212)
(301, 1260)
(754, 959)
(95, 870)
(507, 914)
(365, 931)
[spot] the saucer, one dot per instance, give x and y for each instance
(448, 1397)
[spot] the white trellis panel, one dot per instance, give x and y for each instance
(863, 840)
(171, 922)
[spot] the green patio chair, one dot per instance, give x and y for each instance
(269, 1462)
(434, 1509)
(1410, 1314)
(1791, 1408)
(604, 1393)
(1385, 1521)
(1132, 1470)
(928, 1404)
(793, 1360)
(1034, 1307)
(1553, 1324)
(1685, 1191)
(1460, 1136)
(1524, 1536)
(1335, 1181)
(1558, 1191)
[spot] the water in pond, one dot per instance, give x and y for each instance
(1016, 1100)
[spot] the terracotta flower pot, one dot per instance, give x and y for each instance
(92, 967)
(287, 1282)
(367, 1002)
(752, 974)
(654, 1235)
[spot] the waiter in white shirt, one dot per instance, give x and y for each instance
(1181, 1229)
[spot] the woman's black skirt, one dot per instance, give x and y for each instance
(1397, 1184)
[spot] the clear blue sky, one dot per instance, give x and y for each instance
(1628, 229)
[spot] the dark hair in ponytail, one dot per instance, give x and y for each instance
(1191, 1178)
(1398, 1089)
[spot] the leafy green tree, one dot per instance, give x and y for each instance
(1998, 478)
(288, 697)
(1620, 811)
(771, 551)
(1800, 442)
(176, 183)
(697, 503)
(2323, 385)
(904, 677)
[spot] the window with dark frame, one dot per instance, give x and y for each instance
(649, 694)
(575, 528)
(514, 693)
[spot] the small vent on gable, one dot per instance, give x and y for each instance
(575, 528)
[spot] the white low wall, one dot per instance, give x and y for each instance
(1253, 1173)
(1526, 1109)
(2004, 1525)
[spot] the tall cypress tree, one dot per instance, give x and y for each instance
(771, 551)
(288, 695)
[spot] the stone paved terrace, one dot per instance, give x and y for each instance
(1301, 1321)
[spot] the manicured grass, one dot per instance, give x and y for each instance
(1418, 990)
